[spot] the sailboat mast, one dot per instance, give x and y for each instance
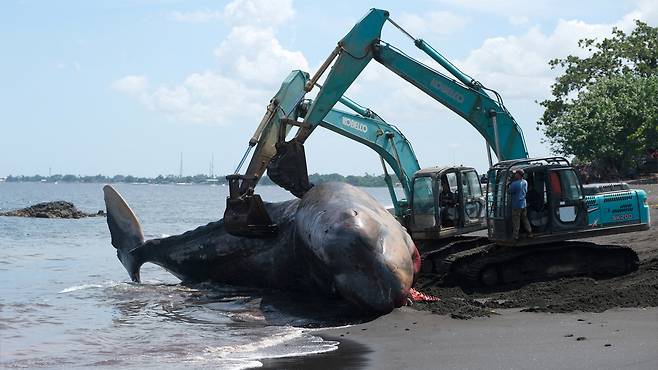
(180, 172)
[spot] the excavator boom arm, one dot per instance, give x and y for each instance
(386, 140)
(474, 105)
(465, 97)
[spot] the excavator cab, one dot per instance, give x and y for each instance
(555, 201)
(445, 202)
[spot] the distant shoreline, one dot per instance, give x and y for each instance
(366, 180)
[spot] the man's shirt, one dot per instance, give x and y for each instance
(518, 190)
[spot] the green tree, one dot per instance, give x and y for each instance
(69, 178)
(604, 105)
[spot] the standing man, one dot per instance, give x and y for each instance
(518, 189)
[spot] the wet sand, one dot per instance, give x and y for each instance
(406, 338)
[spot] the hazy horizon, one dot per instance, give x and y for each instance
(175, 175)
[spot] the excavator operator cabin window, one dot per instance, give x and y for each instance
(471, 184)
(556, 187)
(564, 185)
(452, 181)
(449, 199)
(570, 185)
(500, 187)
(492, 180)
(423, 202)
(472, 194)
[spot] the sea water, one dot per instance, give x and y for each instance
(66, 301)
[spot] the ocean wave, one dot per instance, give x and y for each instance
(277, 338)
(290, 342)
(230, 364)
(89, 286)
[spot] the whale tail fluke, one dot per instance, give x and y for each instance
(125, 230)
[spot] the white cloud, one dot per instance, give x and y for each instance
(508, 7)
(259, 12)
(251, 63)
(207, 98)
(241, 12)
(517, 66)
(131, 84)
(435, 23)
(647, 10)
(261, 56)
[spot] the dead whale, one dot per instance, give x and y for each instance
(336, 240)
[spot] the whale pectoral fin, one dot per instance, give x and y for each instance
(125, 230)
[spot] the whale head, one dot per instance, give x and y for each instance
(357, 245)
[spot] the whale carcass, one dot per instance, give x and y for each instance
(336, 240)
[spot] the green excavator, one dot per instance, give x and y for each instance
(442, 205)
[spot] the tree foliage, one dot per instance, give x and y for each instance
(604, 106)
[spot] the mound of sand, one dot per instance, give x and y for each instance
(638, 289)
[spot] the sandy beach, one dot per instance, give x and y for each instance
(575, 323)
(406, 338)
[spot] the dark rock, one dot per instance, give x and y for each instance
(57, 209)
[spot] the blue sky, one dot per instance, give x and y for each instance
(125, 86)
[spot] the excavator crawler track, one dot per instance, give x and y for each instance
(487, 265)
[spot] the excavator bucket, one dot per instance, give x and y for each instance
(245, 214)
(288, 168)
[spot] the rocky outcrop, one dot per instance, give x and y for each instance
(57, 209)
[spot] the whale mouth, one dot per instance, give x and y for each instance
(402, 299)
(376, 281)
(381, 293)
